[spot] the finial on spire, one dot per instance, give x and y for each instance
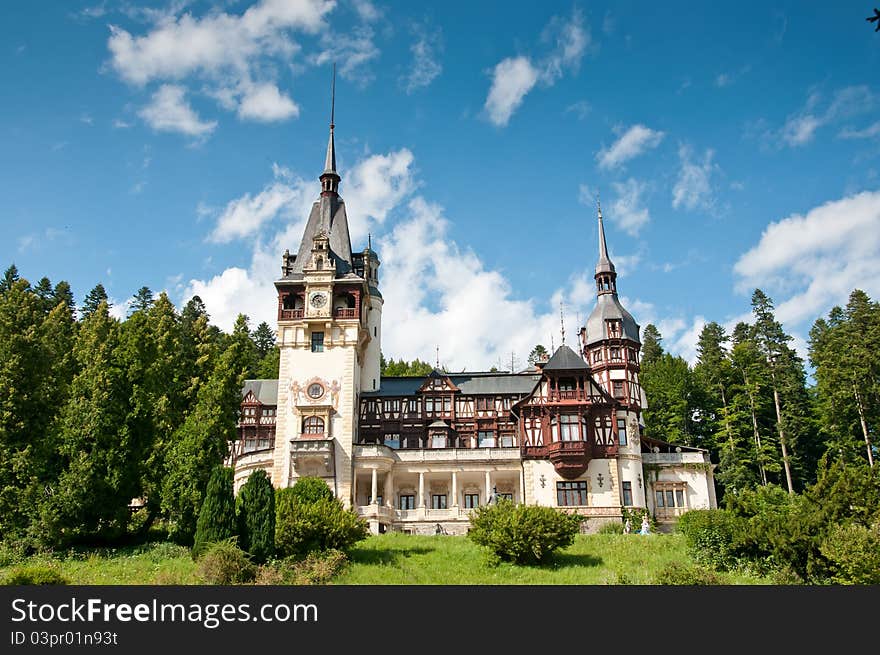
(369, 241)
(562, 322)
(330, 178)
(438, 357)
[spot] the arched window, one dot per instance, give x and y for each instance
(313, 425)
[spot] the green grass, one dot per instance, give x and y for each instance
(597, 559)
(398, 559)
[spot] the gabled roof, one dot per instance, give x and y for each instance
(265, 391)
(469, 384)
(565, 359)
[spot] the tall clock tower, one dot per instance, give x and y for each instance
(329, 334)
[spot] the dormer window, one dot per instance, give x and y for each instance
(614, 329)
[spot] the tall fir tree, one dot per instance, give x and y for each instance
(94, 298)
(10, 277)
(651, 348)
(256, 517)
(217, 513)
(141, 300)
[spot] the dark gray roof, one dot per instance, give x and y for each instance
(266, 391)
(565, 359)
(328, 214)
(470, 384)
(607, 308)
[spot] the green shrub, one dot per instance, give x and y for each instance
(712, 536)
(854, 553)
(522, 533)
(315, 569)
(165, 550)
(217, 514)
(256, 517)
(612, 527)
(224, 563)
(684, 574)
(303, 528)
(310, 490)
(35, 574)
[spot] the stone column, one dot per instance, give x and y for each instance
(488, 488)
(421, 490)
(389, 490)
(374, 488)
(454, 489)
(354, 488)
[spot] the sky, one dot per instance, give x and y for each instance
(177, 145)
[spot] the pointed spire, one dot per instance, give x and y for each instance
(604, 265)
(562, 322)
(330, 178)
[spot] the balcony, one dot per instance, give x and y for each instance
(290, 314)
(415, 455)
(380, 512)
(344, 312)
(569, 458)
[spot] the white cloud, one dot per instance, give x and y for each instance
(581, 109)
(869, 132)
(627, 210)
(352, 50)
(800, 127)
(245, 216)
(367, 11)
(425, 59)
(226, 51)
(169, 111)
(693, 189)
(512, 79)
(813, 261)
(636, 140)
(374, 187)
(264, 102)
(799, 130)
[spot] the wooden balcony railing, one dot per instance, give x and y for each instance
(344, 312)
(290, 314)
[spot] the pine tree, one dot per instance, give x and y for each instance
(538, 354)
(201, 442)
(94, 298)
(10, 277)
(217, 513)
(100, 468)
(141, 300)
(256, 517)
(651, 348)
(264, 339)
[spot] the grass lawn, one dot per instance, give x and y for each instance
(400, 559)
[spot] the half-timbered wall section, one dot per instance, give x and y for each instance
(445, 411)
(256, 422)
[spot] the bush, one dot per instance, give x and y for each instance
(302, 528)
(683, 574)
(315, 569)
(612, 527)
(217, 514)
(310, 490)
(854, 553)
(522, 534)
(35, 574)
(224, 563)
(256, 517)
(712, 536)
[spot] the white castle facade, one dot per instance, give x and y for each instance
(412, 454)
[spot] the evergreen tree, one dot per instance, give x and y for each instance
(99, 465)
(45, 293)
(63, 294)
(94, 298)
(10, 277)
(217, 513)
(202, 441)
(256, 517)
(669, 386)
(651, 348)
(268, 367)
(141, 300)
(264, 339)
(539, 354)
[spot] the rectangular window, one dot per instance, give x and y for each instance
(471, 500)
(484, 404)
(621, 431)
(407, 501)
(438, 501)
(568, 428)
(670, 498)
(659, 495)
(505, 496)
(438, 441)
(571, 493)
(617, 386)
(627, 494)
(507, 441)
(615, 354)
(679, 498)
(486, 439)
(597, 355)
(392, 440)
(317, 342)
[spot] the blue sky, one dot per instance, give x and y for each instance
(177, 145)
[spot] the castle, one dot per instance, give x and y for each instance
(418, 454)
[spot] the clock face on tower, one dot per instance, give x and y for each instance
(318, 300)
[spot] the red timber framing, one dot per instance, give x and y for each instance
(439, 416)
(256, 427)
(622, 355)
(568, 420)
